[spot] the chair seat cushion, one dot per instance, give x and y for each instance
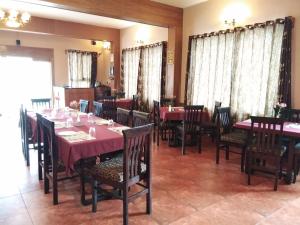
(235, 137)
(279, 152)
(111, 169)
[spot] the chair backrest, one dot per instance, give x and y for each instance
(135, 102)
(123, 116)
(266, 133)
(192, 117)
(291, 115)
(140, 118)
(224, 120)
(167, 101)
(84, 105)
(214, 115)
(48, 138)
(109, 107)
(137, 154)
(156, 113)
(98, 108)
(40, 103)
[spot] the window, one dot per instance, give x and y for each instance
(82, 68)
(143, 73)
(240, 68)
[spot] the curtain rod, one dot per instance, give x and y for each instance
(249, 27)
(146, 46)
(80, 51)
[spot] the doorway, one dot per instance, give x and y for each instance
(23, 78)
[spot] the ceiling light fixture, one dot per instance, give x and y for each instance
(13, 18)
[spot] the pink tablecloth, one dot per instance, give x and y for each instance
(106, 141)
(177, 114)
(124, 103)
(288, 128)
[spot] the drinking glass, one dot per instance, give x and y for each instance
(90, 118)
(69, 122)
(92, 131)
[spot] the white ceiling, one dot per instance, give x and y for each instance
(180, 3)
(65, 15)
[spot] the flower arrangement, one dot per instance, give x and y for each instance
(74, 105)
(278, 108)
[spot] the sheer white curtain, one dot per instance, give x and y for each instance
(256, 71)
(79, 68)
(210, 70)
(240, 69)
(151, 74)
(131, 59)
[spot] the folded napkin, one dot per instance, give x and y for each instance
(59, 124)
(73, 136)
(101, 122)
(294, 126)
(119, 129)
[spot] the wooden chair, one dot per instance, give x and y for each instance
(40, 103)
(109, 107)
(26, 135)
(134, 168)
(156, 121)
(84, 105)
(98, 108)
(140, 118)
(210, 127)
(293, 115)
(192, 120)
(227, 136)
(120, 94)
(123, 116)
(51, 163)
(135, 102)
(266, 147)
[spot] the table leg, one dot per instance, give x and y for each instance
(290, 165)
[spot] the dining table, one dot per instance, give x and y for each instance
(291, 131)
(74, 140)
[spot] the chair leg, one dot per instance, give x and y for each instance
(183, 145)
(82, 187)
(276, 181)
(54, 185)
(149, 198)
(94, 195)
(227, 152)
(125, 205)
(157, 138)
(217, 154)
(249, 168)
(46, 179)
(296, 168)
(200, 143)
(243, 159)
(40, 171)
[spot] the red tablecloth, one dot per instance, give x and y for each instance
(124, 103)
(288, 128)
(177, 114)
(105, 141)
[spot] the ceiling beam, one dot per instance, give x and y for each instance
(141, 11)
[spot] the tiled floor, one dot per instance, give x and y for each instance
(189, 189)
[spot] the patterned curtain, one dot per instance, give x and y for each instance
(284, 90)
(238, 67)
(94, 68)
(163, 70)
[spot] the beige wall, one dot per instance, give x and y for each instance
(59, 44)
(150, 35)
(205, 18)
